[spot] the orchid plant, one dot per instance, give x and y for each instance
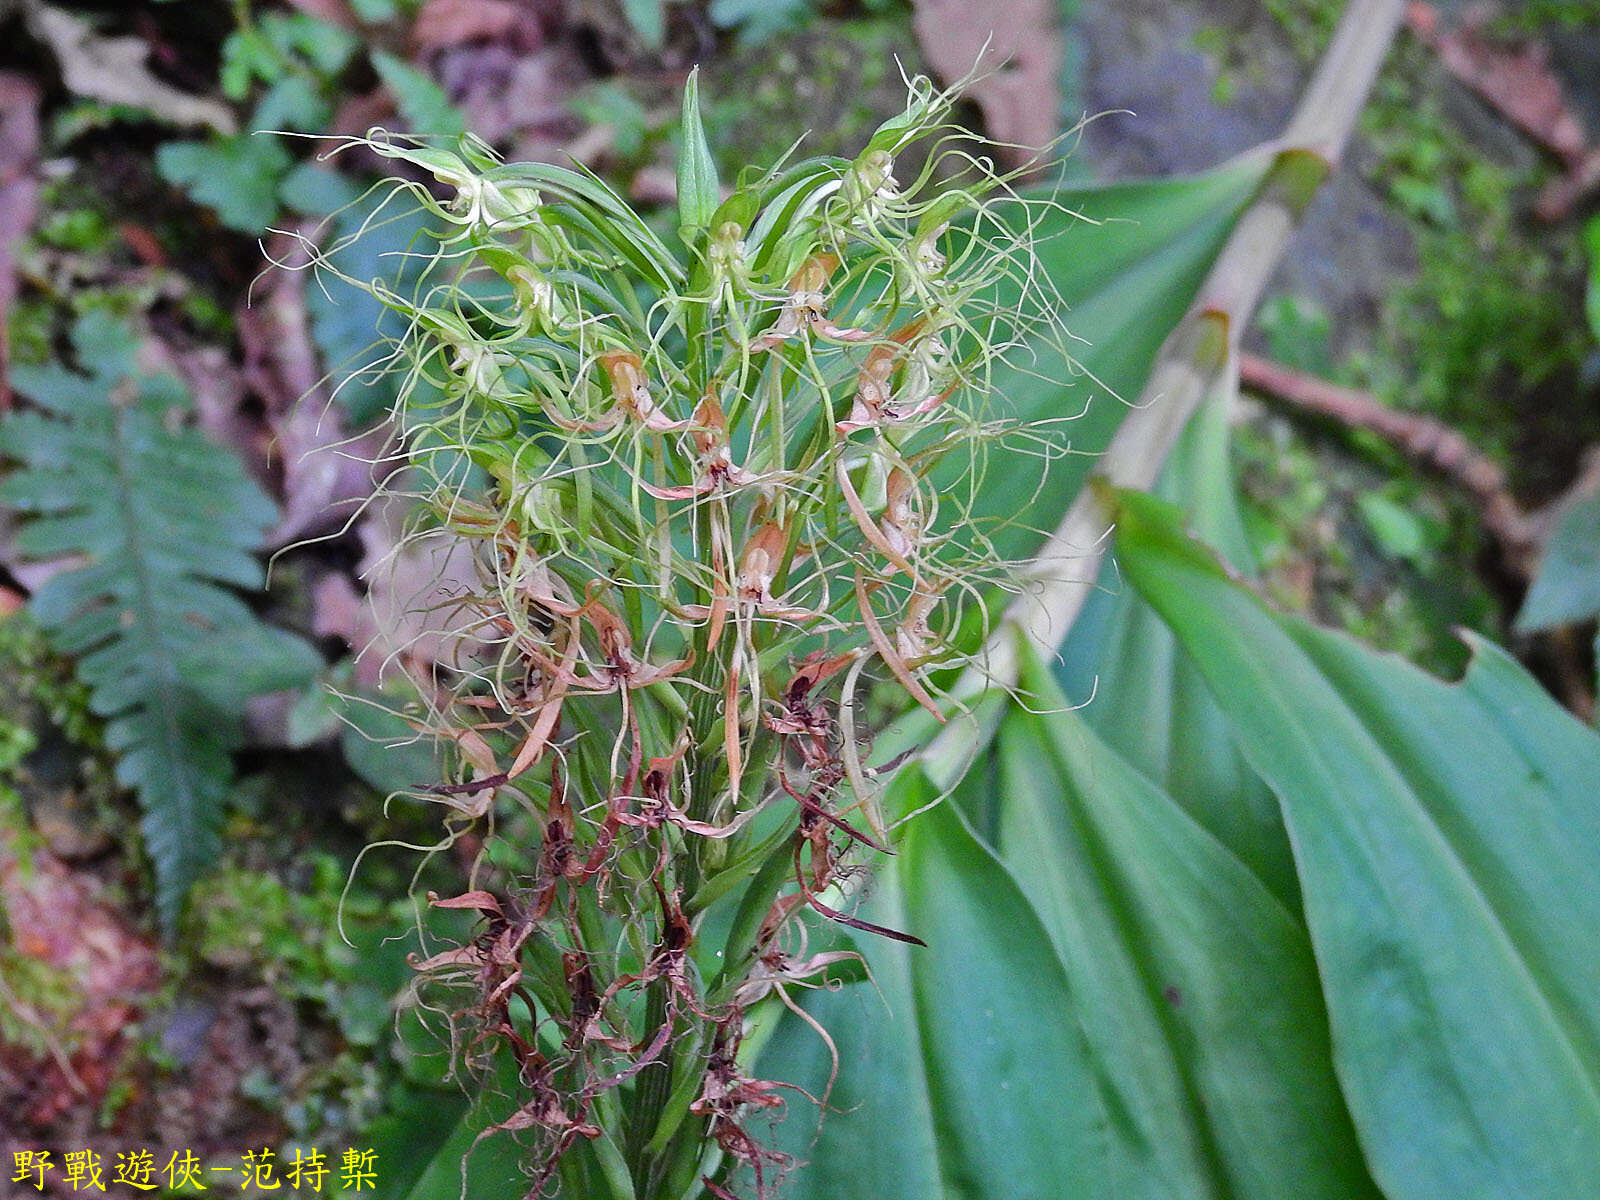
(718, 488)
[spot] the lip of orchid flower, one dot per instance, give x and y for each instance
(758, 569)
(758, 566)
(806, 308)
(913, 636)
(876, 402)
(630, 388)
(901, 523)
(718, 471)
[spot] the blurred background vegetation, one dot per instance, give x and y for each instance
(191, 984)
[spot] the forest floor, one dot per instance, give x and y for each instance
(1442, 272)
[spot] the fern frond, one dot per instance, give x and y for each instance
(162, 522)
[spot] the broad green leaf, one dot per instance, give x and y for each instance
(292, 103)
(1195, 986)
(1447, 842)
(317, 191)
(1187, 1005)
(698, 195)
(951, 1083)
(422, 1140)
(1125, 282)
(381, 746)
(1148, 700)
(353, 329)
(1567, 588)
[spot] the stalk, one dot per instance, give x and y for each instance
(1199, 353)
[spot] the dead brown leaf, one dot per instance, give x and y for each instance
(1020, 51)
(322, 474)
(410, 617)
(445, 23)
(19, 195)
(1515, 78)
(113, 70)
(518, 98)
(57, 918)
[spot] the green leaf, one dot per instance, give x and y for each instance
(236, 175)
(422, 102)
(1124, 284)
(1567, 587)
(246, 660)
(698, 194)
(381, 746)
(1447, 847)
(247, 55)
(757, 20)
(317, 191)
(352, 327)
(1398, 530)
(610, 104)
(1124, 290)
(649, 20)
(293, 103)
(1115, 956)
(952, 1085)
(164, 522)
(375, 12)
(420, 1143)
(1195, 986)
(1149, 701)
(326, 48)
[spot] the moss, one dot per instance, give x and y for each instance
(1542, 16)
(36, 678)
(836, 79)
(1309, 23)
(1364, 546)
(1493, 311)
(287, 927)
(37, 1001)
(1494, 314)
(1489, 335)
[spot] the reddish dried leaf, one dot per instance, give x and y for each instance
(1019, 92)
(480, 900)
(1516, 79)
(334, 12)
(57, 917)
(416, 586)
(321, 474)
(19, 193)
(445, 23)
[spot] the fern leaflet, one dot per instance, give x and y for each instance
(160, 523)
